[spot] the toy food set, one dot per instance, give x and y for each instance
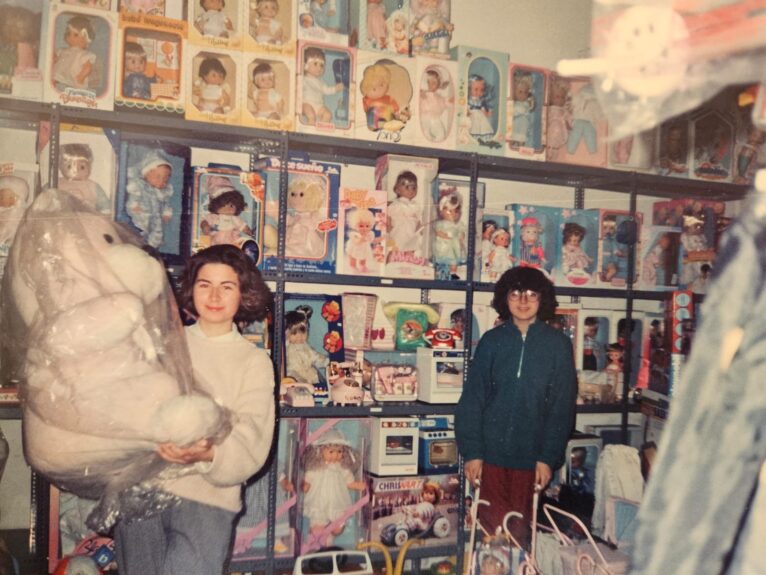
(440, 374)
(362, 223)
(324, 21)
(269, 92)
(436, 82)
(536, 236)
(481, 100)
(250, 531)
(216, 25)
(312, 214)
(358, 315)
(395, 381)
(150, 60)
(449, 223)
(270, 27)
(413, 507)
(79, 50)
(635, 152)
(213, 80)
(673, 148)
(411, 321)
(386, 98)
(408, 180)
(21, 73)
(333, 495)
(525, 115)
(660, 258)
(578, 248)
(617, 230)
(393, 446)
(325, 89)
(577, 126)
(228, 208)
(493, 248)
(430, 27)
(438, 447)
(380, 25)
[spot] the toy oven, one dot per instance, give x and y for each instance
(441, 375)
(438, 451)
(394, 446)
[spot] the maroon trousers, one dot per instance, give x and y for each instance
(507, 490)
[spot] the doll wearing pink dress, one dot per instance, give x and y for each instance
(559, 118)
(74, 65)
(223, 224)
(433, 104)
(573, 256)
(376, 24)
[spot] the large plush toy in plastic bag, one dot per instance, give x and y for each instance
(92, 335)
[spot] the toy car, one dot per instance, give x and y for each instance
(397, 534)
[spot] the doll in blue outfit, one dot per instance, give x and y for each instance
(136, 83)
(479, 108)
(148, 202)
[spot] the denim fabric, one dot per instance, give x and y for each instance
(714, 442)
(188, 539)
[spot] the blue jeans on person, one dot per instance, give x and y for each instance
(188, 539)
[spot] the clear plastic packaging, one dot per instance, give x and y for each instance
(92, 336)
(655, 59)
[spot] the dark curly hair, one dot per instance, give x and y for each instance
(256, 299)
(525, 278)
(232, 197)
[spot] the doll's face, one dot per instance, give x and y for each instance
(502, 240)
(299, 199)
(406, 189)
(215, 5)
(135, 63)
(332, 453)
(591, 330)
(214, 77)
(664, 241)
(267, 9)
(315, 67)
(158, 177)
(478, 88)
(487, 232)
(559, 93)
(264, 81)
(429, 496)
(491, 566)
(609, 228)
(433, 83)
(297, 336)
(530, 234)
(614, 356)
(8, 198)
(399, 24)
(229, 209)
(75, 168)
(574, 240)
(364, 225)
(376, 88)
(76, 38)
(521, 91)
(450, 213)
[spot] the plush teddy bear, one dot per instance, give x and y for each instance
(93, 337)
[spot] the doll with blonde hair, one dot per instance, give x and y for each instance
(360, 239)
(398, 37)
(433, 104)
(306, 208)
(524, 105)
(378, 104)
(264, 26)
(449, 243)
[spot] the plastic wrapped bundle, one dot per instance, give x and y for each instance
(92, 336)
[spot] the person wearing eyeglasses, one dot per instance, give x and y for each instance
(517, 408)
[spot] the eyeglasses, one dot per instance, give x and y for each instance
(528, 294)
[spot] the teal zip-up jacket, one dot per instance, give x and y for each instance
(518, 404)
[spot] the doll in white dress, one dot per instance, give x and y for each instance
(405, 216)
(301, 360)
(306, 209)
(360, 239)
(223, 222)
(449, 242)
(211, 92)
(264, 26)
(265, 102)
(74, 65)
(212, 21)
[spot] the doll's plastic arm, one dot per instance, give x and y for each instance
(357, 485)
(305, 486)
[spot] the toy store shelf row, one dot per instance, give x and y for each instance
(364, 152)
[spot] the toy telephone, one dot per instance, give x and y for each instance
(443, 337)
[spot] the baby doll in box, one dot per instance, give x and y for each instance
(93, 337)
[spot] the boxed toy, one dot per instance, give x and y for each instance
(673, 148)
(270, 27)
(393, 446)
(269, 92)
(312, 214)
(250, 531)
(325, 89)
(324, 21)
(449, 234)
(333, 494)
(536, 236)
(79, 56)
(386, 99)
(362, 223)
(395, 381)
(594, 329)
(430, 27)
(359, 313)
(403, 508)
(17, 183)
(408, 180)
(660, 258)
(441, 374)
(617, 230)
(750, 148)
(216, 24)
(577, 127)
(578, 251)
(712, 129)
(214, 78)
(633, 152)
(436, 85)
(494, 248)
(20, 56)
(149, 63)
(525, 137)
(579, 471)
(438, 451)
(482, 99)
(227, 208)
(381, 25)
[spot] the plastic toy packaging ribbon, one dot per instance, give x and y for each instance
(655, 59)
(92, 337)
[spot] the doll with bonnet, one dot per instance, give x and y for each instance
(223, 224)
(306, 209)
(148, 196)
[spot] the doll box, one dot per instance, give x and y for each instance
(481, 100)
(386, 97)
(79, 49)
(362, 227)
(408, 234)
(635, 152)
(430, 28)
(21, 71)
(435, 120)
(408, 507)
(713, 136)
(673, 148)
(215, 188)
(449, 227)
(495, 232)
(311, 230)
(441, 374)
(536, 236)
(325, 21)
(270, 27)
(579, 470)
(617, 228)
(525, 134)
(216, 29)
(18, 181)
(213, 80)
(268, 86)
(578, 248)
(380, 25)
(150, 73)
(325, 89)
(660, 258)
(393, 446)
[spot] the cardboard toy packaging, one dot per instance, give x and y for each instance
(635, 152)
(362, 231)
(536, 236)
(213, 81)
(270, 27)
(216, 25)
(660, 258)
(449, 228)
(380, 25)
(268, 87)
(673, 148)
(578, 248)
(435, 121)
(430, 27)
(325, 21)
(21, 71)
(616, 230)
(525, 137)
